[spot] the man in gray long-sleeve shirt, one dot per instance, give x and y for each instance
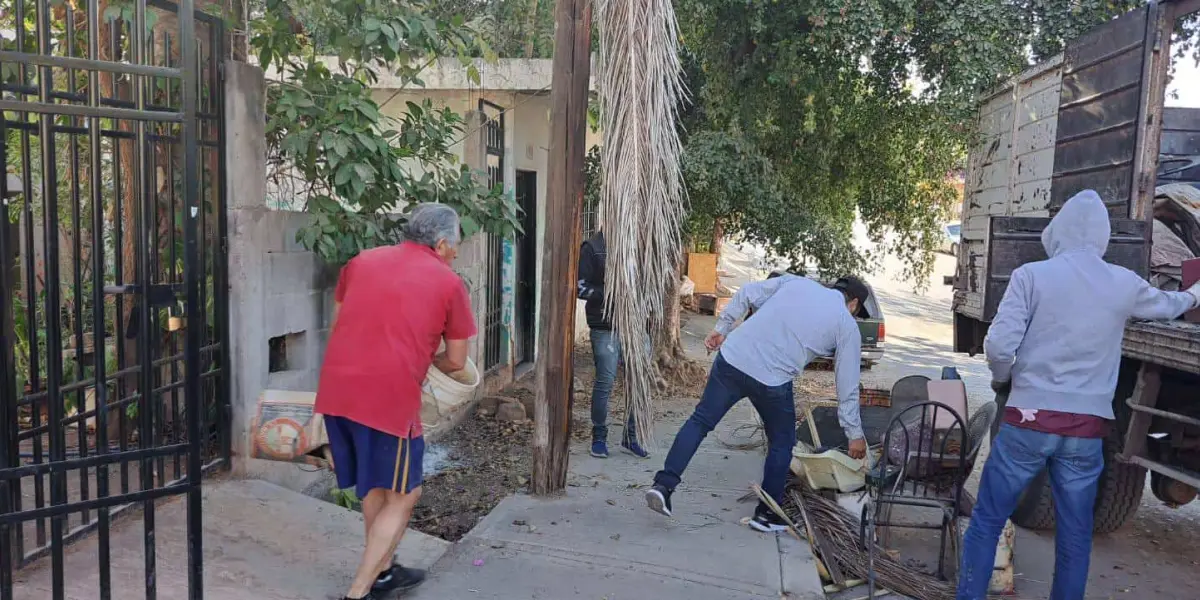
(795, 320)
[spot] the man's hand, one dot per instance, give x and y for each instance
(1002, 387)
(858, 448)
(713, 341)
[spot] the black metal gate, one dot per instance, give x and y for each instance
(493, 329)
(113, 354)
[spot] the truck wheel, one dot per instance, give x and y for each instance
(1121, 485)
(1117, 500)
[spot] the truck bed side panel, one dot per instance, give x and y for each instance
(1009, 170)
(1098, 112)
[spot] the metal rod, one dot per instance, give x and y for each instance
(46, 107)
(120, 324)
(90, 461)
(144, 211)
(9, 450)
(191, 272)
(50, 231)
(77, 262)
(87, 64)
(1158, 412)
(221, 275)
(149, 495)
(1187, 477)
(69, 98)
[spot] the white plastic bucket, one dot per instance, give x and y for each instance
(445, 395)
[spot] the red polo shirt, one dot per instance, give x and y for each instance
(397, 303)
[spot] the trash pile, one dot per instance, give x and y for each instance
(919, 456)
(834, 535)
(1176, 234)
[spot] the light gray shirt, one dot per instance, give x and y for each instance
(1057, 333)
(796, 320)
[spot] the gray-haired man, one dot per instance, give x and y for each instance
(394, 306)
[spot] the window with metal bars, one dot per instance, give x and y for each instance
(493, 328)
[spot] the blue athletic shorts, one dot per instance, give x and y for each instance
(365, 458)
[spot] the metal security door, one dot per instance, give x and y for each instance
(525, 296)
(494, 333)
(113, 311)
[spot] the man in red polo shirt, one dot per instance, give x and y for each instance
(394, 307)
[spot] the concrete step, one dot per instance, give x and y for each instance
(261, 542)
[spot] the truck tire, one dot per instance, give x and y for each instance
(1121, 485)
(1117, 499)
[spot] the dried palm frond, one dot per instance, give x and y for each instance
(641, 192)
(839, 531)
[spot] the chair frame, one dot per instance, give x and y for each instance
(940, 465)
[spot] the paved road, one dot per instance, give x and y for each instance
(1155, 555)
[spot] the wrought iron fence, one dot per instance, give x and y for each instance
(113, 354)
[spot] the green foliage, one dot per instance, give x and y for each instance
(821, 95)
(346, 498)
(514, 28)
(353, 166)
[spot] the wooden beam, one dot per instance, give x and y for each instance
(560, 254)
(1145, 394)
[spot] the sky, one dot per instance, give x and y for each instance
(1186, 84)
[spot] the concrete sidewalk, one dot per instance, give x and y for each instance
(261, 542)
(600, 541)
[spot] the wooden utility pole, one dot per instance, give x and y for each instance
(560, 257)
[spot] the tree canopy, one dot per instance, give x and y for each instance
(331, 146)
(852, 109)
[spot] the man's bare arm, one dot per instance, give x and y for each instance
(453, 358)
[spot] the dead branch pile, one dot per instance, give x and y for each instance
(839, 532)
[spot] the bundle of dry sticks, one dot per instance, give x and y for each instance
(835, 538)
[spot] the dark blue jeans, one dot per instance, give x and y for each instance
(606, 352)
(1017, 456)
(726, 386)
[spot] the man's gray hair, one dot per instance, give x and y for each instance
(431, 223)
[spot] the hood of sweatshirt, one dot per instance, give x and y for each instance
(1081, 225)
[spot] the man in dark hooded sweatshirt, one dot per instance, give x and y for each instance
(1055, 347)
(606, 348)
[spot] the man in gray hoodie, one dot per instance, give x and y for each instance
(1055, 347)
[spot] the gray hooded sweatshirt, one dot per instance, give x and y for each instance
(1058, 329)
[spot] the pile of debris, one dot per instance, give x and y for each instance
(834, 535)
(1176, 234)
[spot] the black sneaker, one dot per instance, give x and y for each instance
(766, 521)
(658, 499)
(370, 596)
(397, 578)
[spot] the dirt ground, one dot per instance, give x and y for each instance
(489, 459)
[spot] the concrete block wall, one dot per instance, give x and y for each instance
(280, 296)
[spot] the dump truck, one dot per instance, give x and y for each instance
(1092, 117)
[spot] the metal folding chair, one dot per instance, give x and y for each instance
(924, 467)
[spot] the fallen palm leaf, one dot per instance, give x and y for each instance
(839, 532)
